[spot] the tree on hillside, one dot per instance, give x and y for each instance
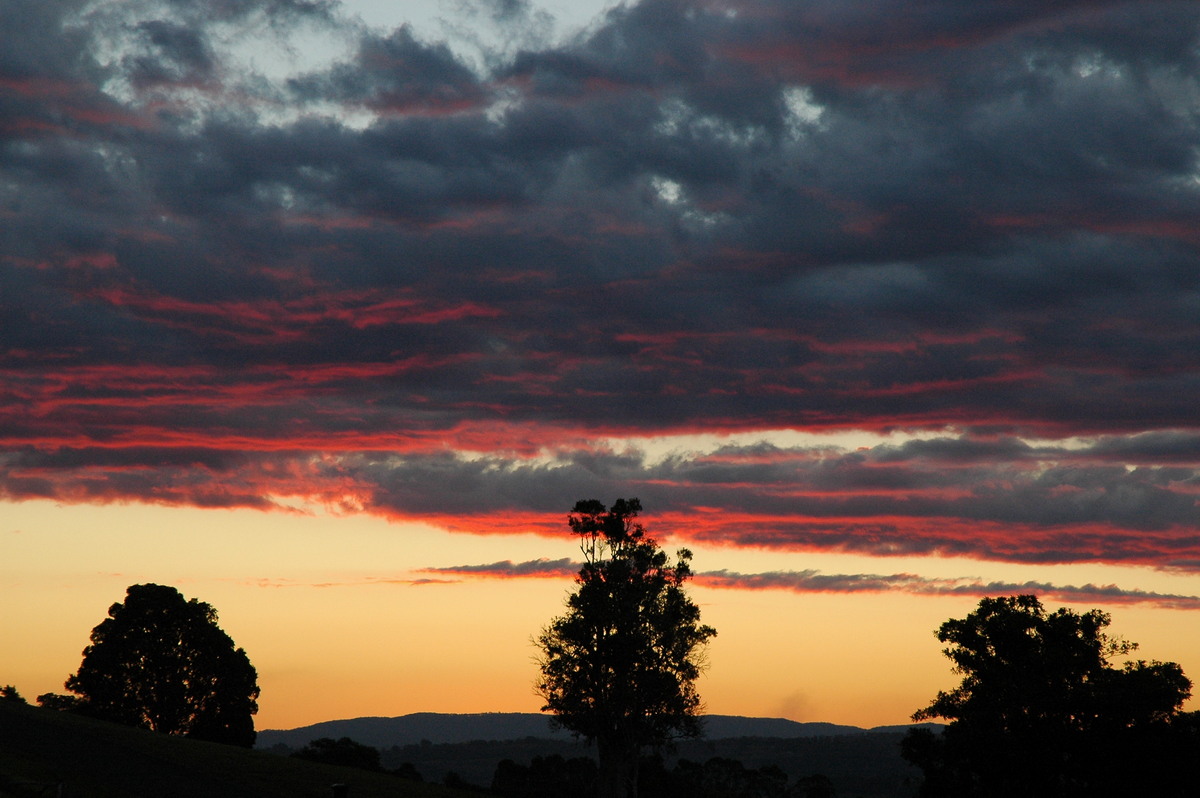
(344, 752)
(619, 668)
(1042, 711)
(60, 702)
(160, 662)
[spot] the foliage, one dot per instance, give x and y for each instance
(408, 770)
(1041, 710)
(545, 777)
(718, 777)
(619, 668)
(344, 752)
(160, 662)
(814, 786)
(60, 702)
(856, 763)
(9, 693)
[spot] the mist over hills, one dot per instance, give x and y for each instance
(440, 728)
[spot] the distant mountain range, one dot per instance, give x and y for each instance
(440, 728)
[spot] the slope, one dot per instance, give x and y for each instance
(41, 748)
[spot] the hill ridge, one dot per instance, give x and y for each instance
(444, 727)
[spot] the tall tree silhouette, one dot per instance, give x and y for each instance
(619, 668)
(1041, 710)
(160, 662)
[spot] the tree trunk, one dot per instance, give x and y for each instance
(618, 775)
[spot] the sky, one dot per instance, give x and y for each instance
(327, 313)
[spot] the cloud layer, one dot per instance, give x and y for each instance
(811, 581)
(394, 281)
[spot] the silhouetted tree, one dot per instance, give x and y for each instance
(160, 662)
(814, 786)
(545, 777)
(408, 770)
(619, 668)
(1041, 711)
(60, 702)
(9, 693)
(454, 781)
(344, 752)
(721, 777)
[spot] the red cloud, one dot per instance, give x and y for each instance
(279, 321)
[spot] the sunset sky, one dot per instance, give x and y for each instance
(326, 313)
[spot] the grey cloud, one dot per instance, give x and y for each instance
(1163, 446)
(397, 73)
(813, 581)
(507, 568)
(35, 41)
(184, 54)
(816, 582)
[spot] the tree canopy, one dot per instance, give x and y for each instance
(161, 662)
(1043, 711)
(619, 668)
(343, 751)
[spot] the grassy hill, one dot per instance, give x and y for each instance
(40, 748)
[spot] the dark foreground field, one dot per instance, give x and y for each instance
(40, 748)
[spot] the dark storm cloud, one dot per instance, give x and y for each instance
(396, 74)
(175, 53)
(423, 287)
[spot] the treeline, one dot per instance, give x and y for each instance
(866, 765)
(554, 775)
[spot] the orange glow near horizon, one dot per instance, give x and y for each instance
(343, 617)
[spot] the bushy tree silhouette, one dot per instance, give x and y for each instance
(343, 751)
(619, 668)
(1042, 711)
(160, 662)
